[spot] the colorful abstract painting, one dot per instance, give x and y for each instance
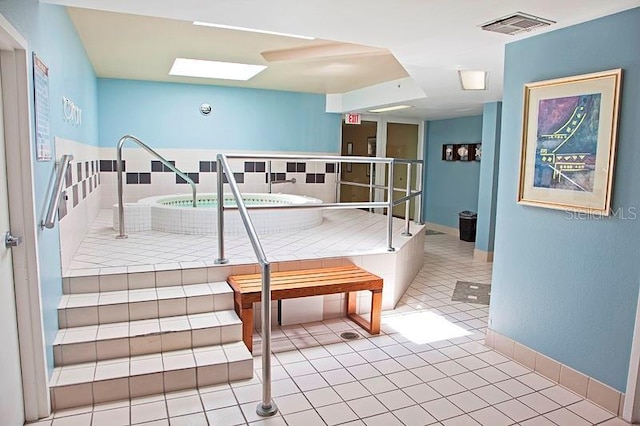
(566, 143)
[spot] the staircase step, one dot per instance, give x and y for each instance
(131, 377)
(109, 341)
(77, 310)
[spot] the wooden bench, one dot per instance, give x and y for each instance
(247, 290)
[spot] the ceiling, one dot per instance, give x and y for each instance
(359, 44)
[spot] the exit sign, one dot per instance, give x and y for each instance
(352, 118)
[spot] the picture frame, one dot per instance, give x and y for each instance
(464, 152)
(568, 146)
(449, 152)
(477, 152)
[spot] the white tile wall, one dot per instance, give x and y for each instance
(78, 220)
(188, 161)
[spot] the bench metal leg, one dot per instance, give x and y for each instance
(373, 326)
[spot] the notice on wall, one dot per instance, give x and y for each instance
(41, 101)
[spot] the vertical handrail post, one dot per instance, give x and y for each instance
(269, 176)
(336, 169)
(407, 204)
(267, 407)
(221, 260)
(390, 208)
(419, 199)
(371, 184)
(121, 233)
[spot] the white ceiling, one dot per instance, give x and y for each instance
(431, 39)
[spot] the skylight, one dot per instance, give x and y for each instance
(214, 69)
(473, 80)
(251, 30)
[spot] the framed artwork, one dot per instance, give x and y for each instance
(464, 153)
(569, 142)
(477, 152)
(449, 152)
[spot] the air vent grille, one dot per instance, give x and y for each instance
(516, 23)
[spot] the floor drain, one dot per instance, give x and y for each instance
(349, 335)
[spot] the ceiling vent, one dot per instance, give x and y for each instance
(516, 23)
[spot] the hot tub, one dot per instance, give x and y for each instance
(175, 214)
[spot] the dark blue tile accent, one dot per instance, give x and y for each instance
(330, 168)
(260, 166)
(86, 168)
(301, 167)
(167, 169)
(291, 167)
(156, 166)
(62, 205)
(79, 170)
(319, 177)
(106, 166)
(144, 178)
(195, 177)
(93, 167)
(249, 166)
(84, 189)
(205, 166)
(214, 166)
(132, 178)
(239, 177)
(75, 195)
(281, 176)
(90, 183)
(311, 178)
(68, 178)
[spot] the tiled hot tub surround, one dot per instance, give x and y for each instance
(174, 214)
(145, 176)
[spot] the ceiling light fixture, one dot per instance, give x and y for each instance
(251, 30)
(391, 108)
(213, 69)
(473, 80)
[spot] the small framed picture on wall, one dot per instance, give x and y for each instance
(477, 152)
(449, 152)
(463, 152)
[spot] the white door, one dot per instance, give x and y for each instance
(11, 403)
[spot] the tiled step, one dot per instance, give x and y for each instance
(122, 378)
(117, 340)
(77, 310)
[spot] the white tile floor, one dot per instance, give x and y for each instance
(342, 233)
(429, 366)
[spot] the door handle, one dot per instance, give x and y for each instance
(11, 241)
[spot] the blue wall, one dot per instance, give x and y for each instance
(562, 285)
(166, 115)
(488, 181)
(451, 186)
(51, 35)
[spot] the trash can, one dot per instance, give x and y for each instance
(468, 222)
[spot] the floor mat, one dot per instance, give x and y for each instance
(471, 293)
(432, 232)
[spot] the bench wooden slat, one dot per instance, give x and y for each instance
(310, 282)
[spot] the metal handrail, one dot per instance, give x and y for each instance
(50, 218)
(164, 161)
(267, 407)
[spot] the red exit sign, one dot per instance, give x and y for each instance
(352, 118)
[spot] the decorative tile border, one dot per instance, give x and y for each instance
(595, 391)
(82, 178)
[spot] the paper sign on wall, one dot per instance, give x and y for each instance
(41, 101)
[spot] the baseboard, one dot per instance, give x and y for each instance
(442, 228)
(593, 390)
(483, 256)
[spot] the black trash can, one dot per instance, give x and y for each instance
(468, 222)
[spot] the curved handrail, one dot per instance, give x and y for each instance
(50, 219)
(173, 168)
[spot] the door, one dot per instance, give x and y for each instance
(11, 399)
(357, 139)
(402, 142)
